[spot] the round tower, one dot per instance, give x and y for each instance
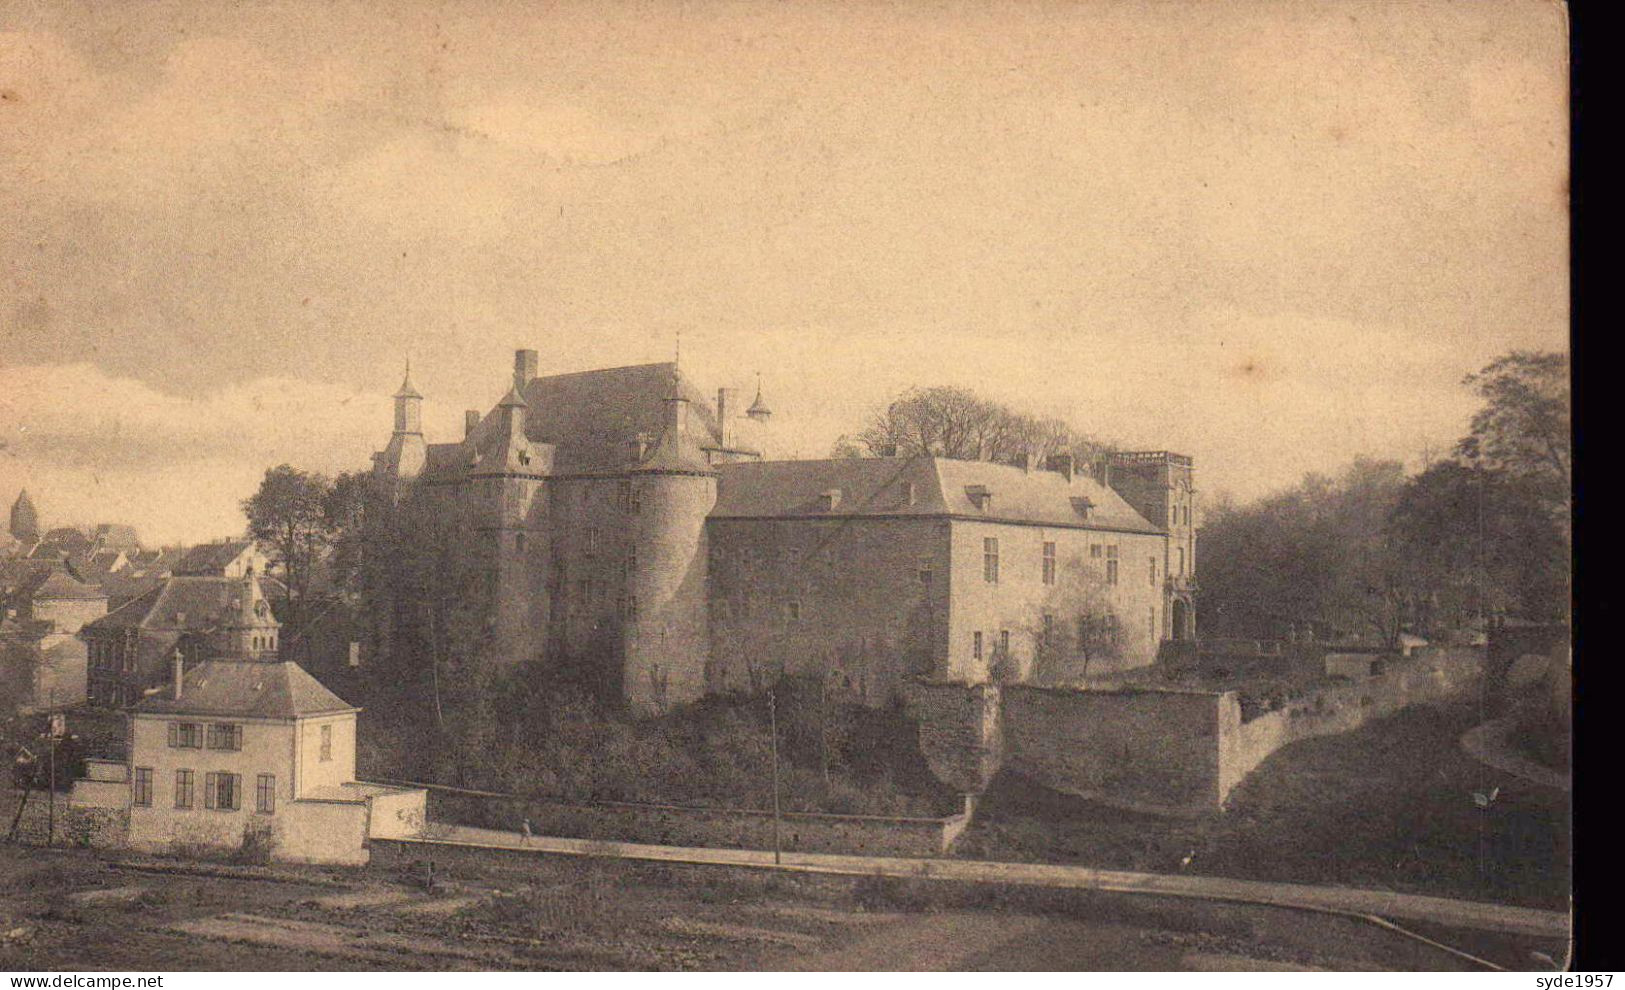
(508, 483)
(667, 636)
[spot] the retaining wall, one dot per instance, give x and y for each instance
(1156, 750)
(726, 828)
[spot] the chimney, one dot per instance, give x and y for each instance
(727, 412)
(471, 419)
(1103, 471)
(180, 671)
(524, 368)
(1062, 464)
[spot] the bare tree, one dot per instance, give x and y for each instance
(948, 421)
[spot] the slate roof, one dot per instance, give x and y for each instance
(60, 542)
(210, 558)
(117, 536)
(591, 415)
(879, 487)
(202, 600)
(59, 585)
(246, 689)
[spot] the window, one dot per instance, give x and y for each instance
(592, 540)
(222, 791)
(1049, 563)
(976, 645)
(990, 560)
(223, 735)
(183, 788)
(1004, 642)
(1181, 561)
(1152, 561)
(519, 542)
(185, 735)
(1049, 626)
(1151, 623)
(794, 610)
(623, 495)
(1113, 632)
(265, 794)
(925, 579)
(1111, 565)
(1094, 550)
(142, 792)
(327, 744)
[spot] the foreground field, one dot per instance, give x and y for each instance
(79, 911)
(1389, 806)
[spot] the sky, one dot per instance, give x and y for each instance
(1273, 236)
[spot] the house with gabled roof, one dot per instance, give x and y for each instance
(198, 616)
(247, 754)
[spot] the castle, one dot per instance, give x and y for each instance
(618, 513)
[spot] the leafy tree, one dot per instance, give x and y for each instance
(1524, 428)
(288, 517)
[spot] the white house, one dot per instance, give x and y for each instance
(249, 754)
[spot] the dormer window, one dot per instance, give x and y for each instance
(980, 497)
(830, 499)
(1083, 506)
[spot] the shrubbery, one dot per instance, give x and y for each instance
(533, 736)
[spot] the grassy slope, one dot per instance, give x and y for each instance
(1388, 806)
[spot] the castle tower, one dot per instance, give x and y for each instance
(1161, 486)
(508, 480)
(404, 458)
(248, 630)
(758, 417)
(667, 638)
(24, 519)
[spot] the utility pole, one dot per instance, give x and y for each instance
(50, 779)
(773, 724)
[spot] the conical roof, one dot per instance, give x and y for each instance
(406, 390)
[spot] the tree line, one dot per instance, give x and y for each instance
(1374, 551)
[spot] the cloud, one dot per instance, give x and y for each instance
(96, 448)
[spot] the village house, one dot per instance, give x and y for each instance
(43, 607)
(247, 755)
(199, 616)
(619, 515)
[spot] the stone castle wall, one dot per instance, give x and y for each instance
(1159, 751)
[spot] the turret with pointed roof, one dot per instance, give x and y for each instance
(25, 519)
(404, 458)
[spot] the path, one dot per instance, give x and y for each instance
(1385, 904)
